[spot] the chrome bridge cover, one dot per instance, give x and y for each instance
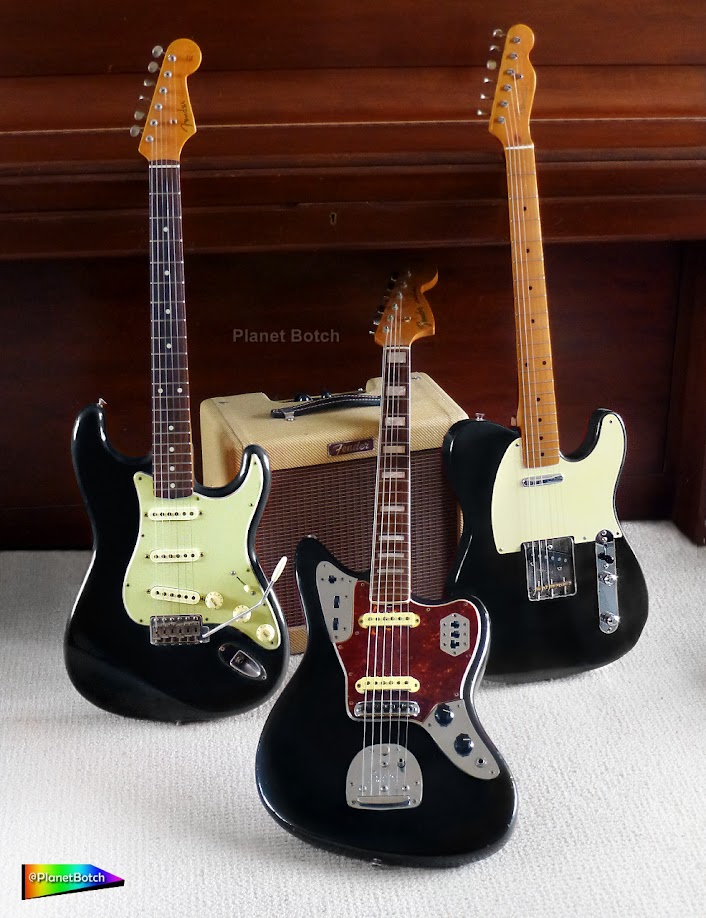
(384, 708)
(176, 629)
(385, 776)
(550, 568)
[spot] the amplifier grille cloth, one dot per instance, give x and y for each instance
(335, 504)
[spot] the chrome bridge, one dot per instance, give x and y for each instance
(176, 629)
(385, 776)
(550, 568)
(382, 708)
(607, 581)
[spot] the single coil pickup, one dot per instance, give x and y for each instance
(170, 594)
(176, 629)
(383, 708)
(372, 619)
(537, 480)
(172, 555)
(164, 514)
(372, 683)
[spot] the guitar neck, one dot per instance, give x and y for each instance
(390, 580)
(536, 416)
(171, 417)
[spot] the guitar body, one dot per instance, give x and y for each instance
(322, 772)
(542, 639)
(108, 654)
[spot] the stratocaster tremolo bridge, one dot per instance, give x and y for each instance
(177, 629)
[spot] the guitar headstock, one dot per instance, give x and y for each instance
(404, 314)
(169, 120)
(514, 81)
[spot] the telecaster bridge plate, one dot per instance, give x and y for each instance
(176, 629)
(550, 568)
(607, 580)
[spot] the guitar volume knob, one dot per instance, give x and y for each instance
(444, 715)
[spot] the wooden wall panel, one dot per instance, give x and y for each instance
(112, 36)
(76, 330)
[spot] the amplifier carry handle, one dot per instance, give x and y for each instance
(325, 403)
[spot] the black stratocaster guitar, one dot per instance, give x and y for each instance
(541, 540)
(172, 621)
(374, 748)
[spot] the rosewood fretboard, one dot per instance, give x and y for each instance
(390, 577)
(171, 417)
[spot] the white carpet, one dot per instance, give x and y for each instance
(610, 767)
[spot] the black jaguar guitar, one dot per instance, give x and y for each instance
(541, 540)
(374, 748)
(175, 620)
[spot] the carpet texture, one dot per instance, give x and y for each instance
(610, 768)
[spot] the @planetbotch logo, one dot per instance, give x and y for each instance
(40, 880)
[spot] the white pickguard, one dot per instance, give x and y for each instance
(579, 506)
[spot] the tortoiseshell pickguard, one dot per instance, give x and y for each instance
(439, 673)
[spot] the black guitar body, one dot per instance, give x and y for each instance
(109, 657)
(309, 741)
(533, 640)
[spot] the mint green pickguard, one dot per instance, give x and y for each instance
(219, 534)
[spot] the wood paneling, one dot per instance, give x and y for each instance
(686, 440)
(115, 35)
(75, 330)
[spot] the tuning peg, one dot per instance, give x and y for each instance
(148, 82)
(153, 66)
(479, 111)
(139, 115)
(491, 65)
(157, 51)
(493, 49)
(484, 96)
(498, 33)
(135, 130)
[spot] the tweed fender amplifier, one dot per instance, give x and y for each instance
(323, 479)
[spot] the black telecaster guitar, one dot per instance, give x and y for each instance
(374, 748)
(541, 540)
(172, 622)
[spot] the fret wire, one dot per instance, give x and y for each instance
(170, 407)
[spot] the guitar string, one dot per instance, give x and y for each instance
(392, 544)
(406, 438)
(374, 588)
(389, 485)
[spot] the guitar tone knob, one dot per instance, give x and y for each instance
(213, 600)
(243, 613)
(265, 633)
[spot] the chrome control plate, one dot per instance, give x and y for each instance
(607, 582)
(336, 593)
(452, 730)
